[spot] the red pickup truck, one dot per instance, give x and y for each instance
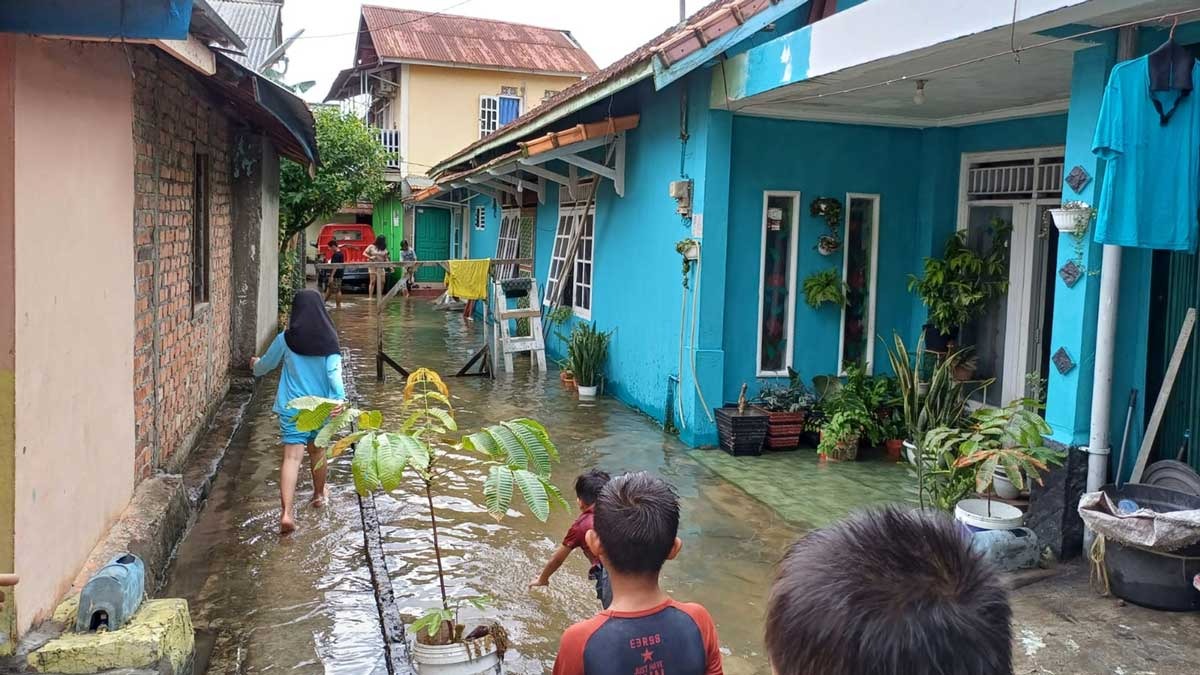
(354, 239)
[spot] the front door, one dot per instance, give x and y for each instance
(431, 234)
(1010, 338)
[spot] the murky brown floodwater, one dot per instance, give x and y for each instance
(304, 605)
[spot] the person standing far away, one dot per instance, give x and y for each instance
(377, 252)
(334, 287)
(409, 256)
(634, 530)
(587, 488)
(312, 366)
(888, 592)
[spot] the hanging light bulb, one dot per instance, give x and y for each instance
(919, 97)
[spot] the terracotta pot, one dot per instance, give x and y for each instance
(568, 380)
(894, 446)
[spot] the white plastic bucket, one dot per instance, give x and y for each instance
(456, 659)
(587, 393)
(974, 514)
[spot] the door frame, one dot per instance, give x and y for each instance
(869, 355)
(1027, 262)
(793, 239)
(416, 237)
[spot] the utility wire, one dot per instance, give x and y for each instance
(1008, 52)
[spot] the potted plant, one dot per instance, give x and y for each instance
(958, 287)
(828, 209)
(893, 431)
(421, 455)
(828, 244)
(824, 286)
(786, 408)
(842, 434)
(1011, 437)
(1073, 217)
(587, 348)
(741, 429)
(689, 250)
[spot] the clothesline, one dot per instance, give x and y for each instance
(412, 263)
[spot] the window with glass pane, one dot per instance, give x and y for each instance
(777, 283)
(858, 271)
(506, 244)
(987, 333)
(583, 268)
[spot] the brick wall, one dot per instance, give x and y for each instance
(181, 351)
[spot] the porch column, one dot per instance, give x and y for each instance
(711, 203)
(255, 247)
(1075, 308)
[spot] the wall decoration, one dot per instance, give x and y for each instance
(828, 209)
(1062, 361)
(1078, 178)
(1070, 273)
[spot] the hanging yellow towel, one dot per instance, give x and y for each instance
(469, 279)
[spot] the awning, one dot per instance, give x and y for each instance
(522, 169)
(277, 112)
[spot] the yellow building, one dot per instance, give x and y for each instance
(433, 83)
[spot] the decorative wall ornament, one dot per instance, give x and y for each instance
(1062, 361)
(1070, 273)
(1078, 178)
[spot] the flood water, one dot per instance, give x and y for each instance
(304, 604)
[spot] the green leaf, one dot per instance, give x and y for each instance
(311, 420)
(482, 442)
(533, 489)
(370, 420)
(532, 446)
(363, 468)
(444, 417)
(498, 490)
(390, 460)
(341, 421)
(985, 474)
(311, 402)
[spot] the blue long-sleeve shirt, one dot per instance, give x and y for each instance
(302, 375)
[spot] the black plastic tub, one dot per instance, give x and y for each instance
(1150, 579)
(741, 433)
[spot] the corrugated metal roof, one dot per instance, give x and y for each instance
(626, 64)
(257, 23)
(408, 35)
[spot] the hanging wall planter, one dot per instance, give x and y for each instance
(827, 245)
(1073, 218)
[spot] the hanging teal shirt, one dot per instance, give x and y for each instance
(1150, 195)
(302, 375)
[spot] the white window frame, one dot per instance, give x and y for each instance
(869, 356)
(489, 115)
(568, 211)
(790, 329)
(508, 242)
(1022, 259)
(480, 218)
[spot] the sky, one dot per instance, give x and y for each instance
(607, 29)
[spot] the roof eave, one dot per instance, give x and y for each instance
(480, 66)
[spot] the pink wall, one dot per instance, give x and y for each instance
(74, 308)
(7, 315)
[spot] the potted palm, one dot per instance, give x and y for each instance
(419, 456)
(958, 287)
(587, 348)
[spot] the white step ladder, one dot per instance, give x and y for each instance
(505, 343)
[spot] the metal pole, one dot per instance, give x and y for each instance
(682, 11)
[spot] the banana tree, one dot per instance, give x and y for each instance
(518, 455)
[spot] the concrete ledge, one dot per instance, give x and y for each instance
(158, 637)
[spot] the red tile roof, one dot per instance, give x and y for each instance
(408, 35)
(665, 42)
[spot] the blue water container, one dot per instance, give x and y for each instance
(112, 595)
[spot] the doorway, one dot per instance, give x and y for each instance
(431, 235)
(1011, 340)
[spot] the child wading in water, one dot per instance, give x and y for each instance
(587, 489)
(312, 366)
(644, 631)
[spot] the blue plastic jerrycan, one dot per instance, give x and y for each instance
(112, 595)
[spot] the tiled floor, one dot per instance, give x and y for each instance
(807, 492)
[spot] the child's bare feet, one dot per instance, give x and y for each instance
(320, 500)
(287, 525)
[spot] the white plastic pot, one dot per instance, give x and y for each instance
(1066, 220)
(910, 451)
(587, 393)
(692, 252)
(473, 657)
(1003, 486)
(974, 513)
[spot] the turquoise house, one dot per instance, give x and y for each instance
(920, 118)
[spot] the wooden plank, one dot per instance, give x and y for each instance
(192, 53)
(444, 264)
(1164, 395)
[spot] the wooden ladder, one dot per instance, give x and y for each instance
(505, 343)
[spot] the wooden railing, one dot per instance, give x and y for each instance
(390, 140)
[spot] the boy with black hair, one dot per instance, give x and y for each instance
(334, 286)
(888, 592)
(587, 488)
(644, 631)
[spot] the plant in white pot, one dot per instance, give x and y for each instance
(423, 453)
(1073, 217)
(1011, 438)
(587, 349)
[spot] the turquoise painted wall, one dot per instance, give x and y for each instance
(918, 210)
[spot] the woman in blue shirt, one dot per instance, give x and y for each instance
(312, 366)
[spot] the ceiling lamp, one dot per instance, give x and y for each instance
(919, 97)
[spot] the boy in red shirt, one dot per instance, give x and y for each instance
(587, 489)
(644, 632)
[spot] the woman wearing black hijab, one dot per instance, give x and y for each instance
(312, 366)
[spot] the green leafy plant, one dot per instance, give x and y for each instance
(957, 287)
(425, 451)
(828, 209)
(824, 286)
(683, 247)
(587, 349)
(793, 397)
(559, 315)
(1082, 215)
(842, 433)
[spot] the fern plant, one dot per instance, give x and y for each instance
(517, 454)
(824, 286)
